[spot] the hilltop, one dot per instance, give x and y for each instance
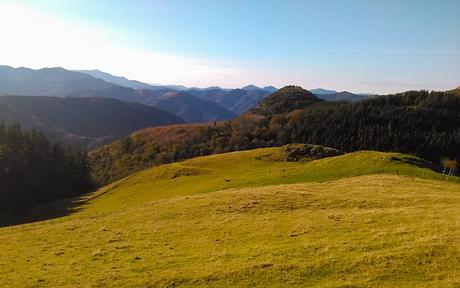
(456, 91)
(251, 218)
(259, 167)
(285, 100)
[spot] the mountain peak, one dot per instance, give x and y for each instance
(213, 88)
(5, 67)
(250, 87)
(53, 69)
(270, 89)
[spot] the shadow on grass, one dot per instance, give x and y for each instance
(418, 162)
(42, 212)
(428, 165)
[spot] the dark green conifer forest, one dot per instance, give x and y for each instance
(32, 170)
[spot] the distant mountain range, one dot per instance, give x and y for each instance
(192, 104)
(236, 101)
(332, 95)
(180, 103)
(343, 96)
(191, 108)
(269, 89)
(117, 80)
(81, 122)
(89, 107)
(46, 82)
(321, 91)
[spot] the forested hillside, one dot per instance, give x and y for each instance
(32, 170)
(285, 100)
(422, 123)
(81, 122)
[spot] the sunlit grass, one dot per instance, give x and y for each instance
(247, 169)
(357, 220)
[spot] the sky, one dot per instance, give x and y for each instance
(360, 46)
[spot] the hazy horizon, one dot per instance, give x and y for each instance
(357, 46)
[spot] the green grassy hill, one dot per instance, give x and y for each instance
(421, 123)
(364, 219)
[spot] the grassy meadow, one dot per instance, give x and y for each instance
(244, 219)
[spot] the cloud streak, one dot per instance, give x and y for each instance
(37, 39)
(34, 40)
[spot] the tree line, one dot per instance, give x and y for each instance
(421, 123)
(33, 170)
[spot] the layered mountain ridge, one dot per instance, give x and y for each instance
(81, 122)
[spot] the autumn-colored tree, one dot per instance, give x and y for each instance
(450, 166)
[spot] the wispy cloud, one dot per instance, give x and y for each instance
(35, 40)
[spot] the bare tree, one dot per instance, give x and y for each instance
(449, 165)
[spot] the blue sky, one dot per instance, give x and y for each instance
(360, 46)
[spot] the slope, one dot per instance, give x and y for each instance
(118, 80)
(190, 108)
(237, 101)
(456, 91)
(182, 104)
(82, 122)
(252, 168)
(143, 96)
(373, 230)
